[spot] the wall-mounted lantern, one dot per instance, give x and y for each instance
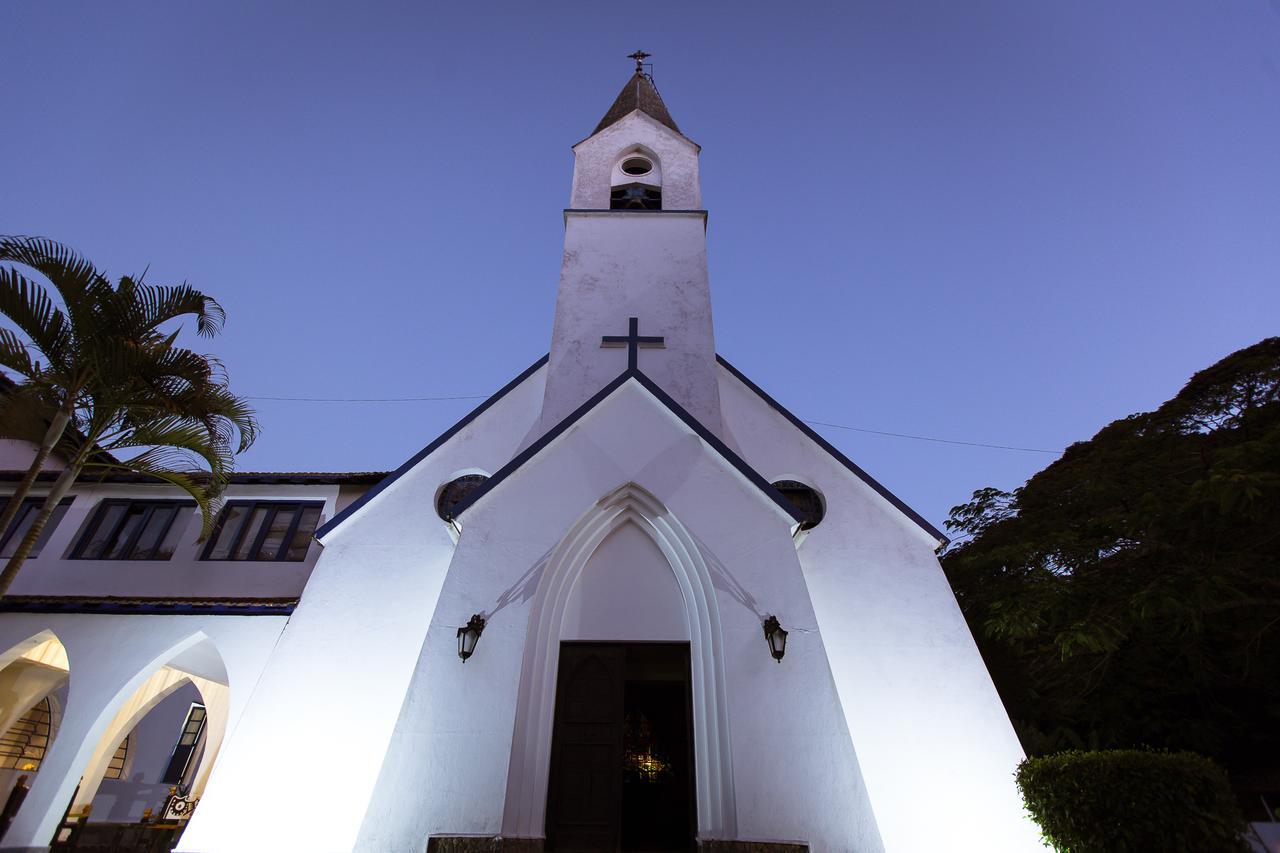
(469, 635)
(777, 638)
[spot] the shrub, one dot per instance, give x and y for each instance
(1132, 801)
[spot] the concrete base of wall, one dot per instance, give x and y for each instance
(482, 844)
(497, 844)
(751, 847)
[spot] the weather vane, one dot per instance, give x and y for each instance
(639, 56)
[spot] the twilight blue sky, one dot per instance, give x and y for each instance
(1002, 222)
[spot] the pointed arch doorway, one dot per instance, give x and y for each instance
(556, 620)
(622, 762)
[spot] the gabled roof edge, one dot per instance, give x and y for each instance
(355, 506)
(817, 439)
(736, 461)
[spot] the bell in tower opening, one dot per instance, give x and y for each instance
(635, 197)
(637, 182)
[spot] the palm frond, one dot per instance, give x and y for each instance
(176, 442)
(15, 356)
(206, 493)
(157, 304)
(30, 307)
(70, 274)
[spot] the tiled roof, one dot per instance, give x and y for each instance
(638, 94)
(241, 478)
(155, 606)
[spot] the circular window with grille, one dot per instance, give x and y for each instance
(637, 166)
(455, 491)
(804, 498)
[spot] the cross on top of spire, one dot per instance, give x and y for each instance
(639, 56)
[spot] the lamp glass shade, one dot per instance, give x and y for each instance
(469, 635)
(777, 638)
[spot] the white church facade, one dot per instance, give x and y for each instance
(628, 603)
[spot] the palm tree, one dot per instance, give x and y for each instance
(104, 377)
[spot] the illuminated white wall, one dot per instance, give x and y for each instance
(651, 265)
(343, 664)
(597, 157)
(626, 592)
(447, 764)
(933, 739)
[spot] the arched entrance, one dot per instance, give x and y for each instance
(33, 691)
(556, 617)
(148, 768)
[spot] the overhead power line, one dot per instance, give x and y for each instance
(938, 440)
(812, 423)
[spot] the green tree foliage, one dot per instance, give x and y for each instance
(1129, 594)
(1132, 801)
(99, 373)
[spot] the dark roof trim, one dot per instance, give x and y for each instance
(636, 211)
(679, 411)
(839, 457)
(245, 478)
(386, 481)
(148, 606)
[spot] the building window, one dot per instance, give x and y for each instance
(23, 746)
(22, 523)
(188, 740)
(264, 530)
(635, 197)
(455, 491)
(115, 768)
(804, 498)
(131, 530)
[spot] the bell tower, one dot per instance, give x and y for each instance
(634, 247)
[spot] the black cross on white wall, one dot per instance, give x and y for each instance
(633, 340)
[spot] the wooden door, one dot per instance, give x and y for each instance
(584, 792)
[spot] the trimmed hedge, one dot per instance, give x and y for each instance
(1132, 801)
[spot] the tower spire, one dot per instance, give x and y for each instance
(639, 94)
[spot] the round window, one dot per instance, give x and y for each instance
(455, 491)
(637, 166)
(804, 498)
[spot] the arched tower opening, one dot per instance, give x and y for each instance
(636, 181)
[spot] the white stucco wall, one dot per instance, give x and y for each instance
(342, 666)
(597, 156)
(935, 744)
(446, 766)
(646, 264)
(626, 592)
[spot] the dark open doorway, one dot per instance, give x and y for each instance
(621, 752)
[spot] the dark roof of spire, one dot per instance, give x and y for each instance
(638, 94)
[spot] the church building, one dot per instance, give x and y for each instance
(629, 602)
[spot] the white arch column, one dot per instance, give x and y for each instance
(527, 779)
(151, 693)
(104, 677)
